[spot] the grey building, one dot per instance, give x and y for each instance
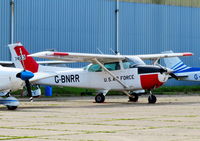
(145, 26)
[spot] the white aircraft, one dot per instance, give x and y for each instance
(182, 71)
(12, 79)
(126, 73)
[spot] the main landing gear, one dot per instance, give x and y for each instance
(135, 96)
(100, 98)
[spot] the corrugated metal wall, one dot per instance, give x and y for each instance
(71, 25)
(4, 29)
(85, 25)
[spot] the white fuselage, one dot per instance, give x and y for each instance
(9, 81)
(100, 80)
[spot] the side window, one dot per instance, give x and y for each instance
(95, 68)
(112, 66)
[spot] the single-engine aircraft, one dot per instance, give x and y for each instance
(12, 79)
(126, 73)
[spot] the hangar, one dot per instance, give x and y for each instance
(144, 26)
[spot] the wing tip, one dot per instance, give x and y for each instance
(60, 54)
(187, 54)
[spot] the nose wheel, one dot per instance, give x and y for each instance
(152, 99)
(100, 98)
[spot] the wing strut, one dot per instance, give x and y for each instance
(124, 85)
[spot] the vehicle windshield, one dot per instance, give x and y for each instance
(132, 62)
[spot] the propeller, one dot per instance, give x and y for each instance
(25, 75)
(173, 75)
(168, 71)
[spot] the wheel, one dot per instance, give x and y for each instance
(152, 99)
(99, 98)
(134, 98)
(11, 107)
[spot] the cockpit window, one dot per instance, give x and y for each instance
(95, 68)
(132, 62)
(112, 66)
(109, 66)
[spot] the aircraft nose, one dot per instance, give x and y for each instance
(152, 76)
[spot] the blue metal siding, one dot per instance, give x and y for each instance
(85, 25)
(4, 29)
(65, 25)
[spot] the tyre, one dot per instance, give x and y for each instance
(99, 98)
(11, 107)
(134, 98)
(152, 99)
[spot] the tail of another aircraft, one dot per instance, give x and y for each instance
(175, 63)
(20, 58)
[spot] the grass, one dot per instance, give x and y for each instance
(16, 137)
(177, 89)
(94, 132)
(69, 91)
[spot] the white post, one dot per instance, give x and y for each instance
(12, 22)
(117, 28)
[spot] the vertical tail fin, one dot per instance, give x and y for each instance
(175, 63)
(20, 58)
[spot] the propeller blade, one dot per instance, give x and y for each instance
(173, 75)
(25, 76)
(28, 87)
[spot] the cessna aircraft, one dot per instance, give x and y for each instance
(182, 71)
(12, 79)
(126, 73)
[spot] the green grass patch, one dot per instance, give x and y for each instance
(69, 91)
(170, 90)
(16, 137)
(94, 132)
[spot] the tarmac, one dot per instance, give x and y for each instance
(172, 118)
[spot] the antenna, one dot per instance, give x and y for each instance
(99, 50)
(112, 51)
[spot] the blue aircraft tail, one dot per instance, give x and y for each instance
(175, 63)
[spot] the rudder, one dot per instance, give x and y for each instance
(21, 59)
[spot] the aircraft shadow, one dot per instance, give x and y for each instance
(101, 105)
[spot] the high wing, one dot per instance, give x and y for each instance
(86, 57)
(77, 57)
(10, 63)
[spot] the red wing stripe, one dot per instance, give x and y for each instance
(60, 54)
(187, 54)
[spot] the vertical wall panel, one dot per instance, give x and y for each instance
(75, 25)
(4, 29)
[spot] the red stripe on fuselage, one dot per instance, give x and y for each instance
(29, 63)
(150, 81)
